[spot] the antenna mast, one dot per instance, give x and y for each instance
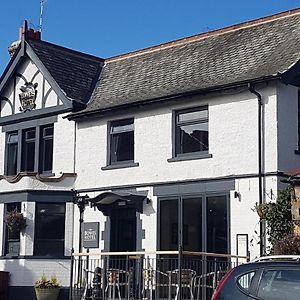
(42, 3)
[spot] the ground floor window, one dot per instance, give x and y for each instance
(201, 222)
(49, 236)
(12, 238)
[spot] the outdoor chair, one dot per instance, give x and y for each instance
(116, 279)
(187, 278)
(152, 280)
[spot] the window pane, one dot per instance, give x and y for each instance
(192, 228)
(193, 138)
(49, 229)
(12, 159)
(245, 281)
(13, 138)
(28, 150)
(193, 115)
(169, 224)
(12, 238)
(217, 224)
(46, 149)
(122, 147)
(280, 284)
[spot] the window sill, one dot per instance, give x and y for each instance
(120, 166)
(34, 257)
(190, 157)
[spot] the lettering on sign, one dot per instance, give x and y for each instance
(28, 96)
(90, 235)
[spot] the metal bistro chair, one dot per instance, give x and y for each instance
(202, 283)
(152, 279)
(187, 278)
(116, 278)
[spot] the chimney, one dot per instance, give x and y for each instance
(23, 32)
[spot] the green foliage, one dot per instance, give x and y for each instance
(43, 283)
(279, 217)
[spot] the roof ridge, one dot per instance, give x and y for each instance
(203, 35)
(68, 49)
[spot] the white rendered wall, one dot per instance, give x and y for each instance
(232, 143)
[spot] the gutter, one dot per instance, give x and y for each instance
(260, 161)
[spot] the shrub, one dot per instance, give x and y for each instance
(288, 245)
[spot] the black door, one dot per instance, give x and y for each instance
(123, 230)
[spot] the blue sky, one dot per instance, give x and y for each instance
(109, 27)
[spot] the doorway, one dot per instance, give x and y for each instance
(123, 230)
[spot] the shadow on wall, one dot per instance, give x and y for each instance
(21, 281)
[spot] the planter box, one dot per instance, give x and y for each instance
(47, 294)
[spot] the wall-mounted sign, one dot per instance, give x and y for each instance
(242, 247)
(90, 235)
(28, 96)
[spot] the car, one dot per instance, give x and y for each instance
(267, 278)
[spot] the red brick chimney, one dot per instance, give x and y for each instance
(23, 32)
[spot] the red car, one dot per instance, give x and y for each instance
(268, 278)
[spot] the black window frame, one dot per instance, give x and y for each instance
(44, 138)
(40, 240)
(22, 147)
(8, 153)
(177, 139)
(28, 154)
(11, 237)
(112, 150)
(181, 231)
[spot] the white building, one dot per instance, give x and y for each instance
(186, 135)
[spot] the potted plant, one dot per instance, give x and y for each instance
(15, 221)
(47, 289)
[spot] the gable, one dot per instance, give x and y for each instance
(25, 75)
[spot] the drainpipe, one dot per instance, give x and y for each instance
(260, 175)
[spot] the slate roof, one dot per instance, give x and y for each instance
(76, 73)
(254, 50)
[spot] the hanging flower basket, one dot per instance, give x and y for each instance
(15, 221)
(262, 210)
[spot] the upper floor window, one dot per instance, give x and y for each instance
(12, 153)
(30, 150)
(122, 141)
(191, 131)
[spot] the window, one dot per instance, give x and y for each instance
(244, 281)
(46, 149)
(49, 229)
(12, 153)
(195, 218)
(122, 141)
(191, 131)
(30, 150)
(12, 238)
(279, 284)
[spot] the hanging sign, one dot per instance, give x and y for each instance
(90, 235)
